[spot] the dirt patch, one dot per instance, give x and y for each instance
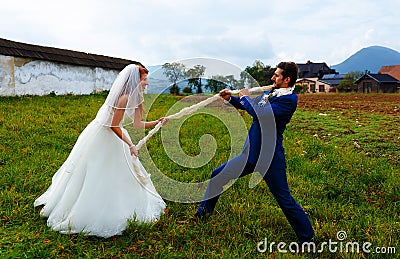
(372, 103)
(358, 108)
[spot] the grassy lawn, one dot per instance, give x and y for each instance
(343, 168)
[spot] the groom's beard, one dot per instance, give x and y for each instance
(276, 85)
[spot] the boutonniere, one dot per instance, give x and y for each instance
(271, 94)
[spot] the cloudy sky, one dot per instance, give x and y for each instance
(239, 32)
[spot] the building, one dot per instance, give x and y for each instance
(391, 70)
(310, 75)
(314, 70)
(27, 69)
(377, 83)
(313, 85)
(332, 80)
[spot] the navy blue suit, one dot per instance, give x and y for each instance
(263, 152)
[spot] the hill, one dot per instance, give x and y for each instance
(370, 58)
(158, 82)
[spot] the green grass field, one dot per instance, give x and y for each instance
(345, 174)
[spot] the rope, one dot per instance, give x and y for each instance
(191, 109)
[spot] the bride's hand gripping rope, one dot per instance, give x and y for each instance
(133, 150)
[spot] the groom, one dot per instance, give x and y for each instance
(263, 150)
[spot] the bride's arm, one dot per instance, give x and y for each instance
(139, 124)
(146, 124)
(115, 123)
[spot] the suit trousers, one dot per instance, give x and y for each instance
(277, 182)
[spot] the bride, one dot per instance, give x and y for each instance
(102, 184)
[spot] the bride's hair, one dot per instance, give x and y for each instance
(143, 72)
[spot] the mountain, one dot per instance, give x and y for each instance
(154, 69)
(158, 82)
(370, 58)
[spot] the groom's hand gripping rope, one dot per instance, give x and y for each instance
(225, 94)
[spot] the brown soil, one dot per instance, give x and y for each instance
(373, 103)
(352, 105)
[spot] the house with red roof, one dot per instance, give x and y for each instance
(391, 70)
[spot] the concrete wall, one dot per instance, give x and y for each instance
(6, 75)
(21, 76)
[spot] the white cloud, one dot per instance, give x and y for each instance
(155, 32)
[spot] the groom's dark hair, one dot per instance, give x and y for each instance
(290, 70)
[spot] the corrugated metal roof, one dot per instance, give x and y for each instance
(18, 49)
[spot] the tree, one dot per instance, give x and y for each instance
(194, 75)
(174, 71)
(347, 84)
(231, 82)
(269, 72)
(247, 79)
(257, 75)
(174, 89)
(187, 90)
(300, 89)
(216, 83)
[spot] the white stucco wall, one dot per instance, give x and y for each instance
(40, 77)
(6, 75)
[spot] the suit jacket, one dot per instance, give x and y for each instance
(269, 123)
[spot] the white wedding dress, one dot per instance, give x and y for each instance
(100, 187)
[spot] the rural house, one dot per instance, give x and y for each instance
(377, 83)
(312, 70)
(333, 80)
(310, 75)
(313, 85)
(27, 69)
